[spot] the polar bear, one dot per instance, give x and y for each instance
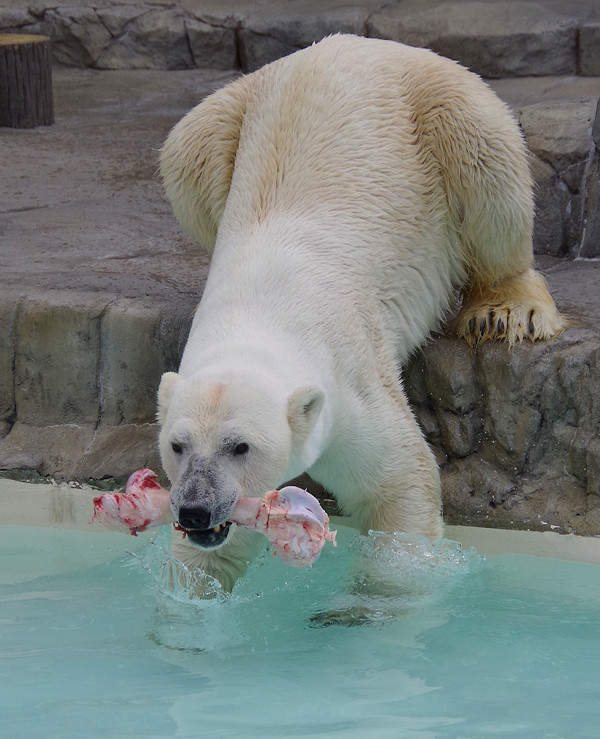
(345, 193)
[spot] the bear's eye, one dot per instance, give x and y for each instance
(240, 449)
(177, 448)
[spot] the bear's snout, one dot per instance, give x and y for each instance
(194, 517)
(202, 498)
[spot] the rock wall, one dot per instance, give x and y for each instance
(497, 38)
(564, 137)
(79, 401)
(516, 433)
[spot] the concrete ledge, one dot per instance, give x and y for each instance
(528, 543)
(79, 452)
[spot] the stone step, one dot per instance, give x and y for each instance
(496, 38)
(98, 287)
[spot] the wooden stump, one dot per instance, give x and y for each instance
(25, 81)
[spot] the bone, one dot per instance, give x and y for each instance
(292, 519)
(145, 504)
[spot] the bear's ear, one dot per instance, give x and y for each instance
(304, 406)
(165, 392)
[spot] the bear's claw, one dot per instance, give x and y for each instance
(516, 309)
(504, 324)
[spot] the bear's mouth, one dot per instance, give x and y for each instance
(207, 538)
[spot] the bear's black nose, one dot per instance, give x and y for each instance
(194, 517)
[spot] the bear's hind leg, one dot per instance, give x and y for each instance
(515, 308)
(504, 297)
(484, 167)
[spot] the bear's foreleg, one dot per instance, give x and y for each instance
(407, 496)
(385, 475)
(226, 564)
(399, 493)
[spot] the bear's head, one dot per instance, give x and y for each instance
(221, 441)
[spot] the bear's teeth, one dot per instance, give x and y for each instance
(217, 529)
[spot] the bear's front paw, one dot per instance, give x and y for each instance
(517, 308)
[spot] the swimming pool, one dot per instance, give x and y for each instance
(434, 641)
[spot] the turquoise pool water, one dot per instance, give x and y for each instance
(386, 636)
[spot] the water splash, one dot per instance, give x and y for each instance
(174, 579)
(367, 581)
(394, 575)
(186, 605)
(415, 556)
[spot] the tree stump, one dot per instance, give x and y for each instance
(25, 81)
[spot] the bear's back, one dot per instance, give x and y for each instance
(329, 125)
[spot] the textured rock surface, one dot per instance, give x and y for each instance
(99, 286)
(559, 134)
(516, 432)
(497, 38)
